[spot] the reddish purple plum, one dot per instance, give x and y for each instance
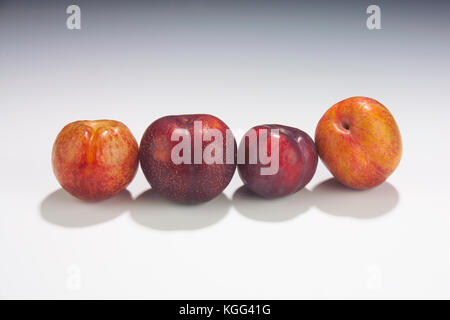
(297, 161)
(173, 171)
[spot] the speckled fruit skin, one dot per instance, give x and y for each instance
(297, 162)
(94, 160)
(187, 183)
(359, 141)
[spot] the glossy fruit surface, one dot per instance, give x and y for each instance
(296, 165)
(94, 160)
(359, 141)
(195, 180)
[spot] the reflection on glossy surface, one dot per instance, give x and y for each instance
(334, 198)
(62, 209)
(329, 196)
(154, 211)
(256, 207)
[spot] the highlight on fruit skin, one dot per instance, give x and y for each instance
(359, 141)
(94, 160)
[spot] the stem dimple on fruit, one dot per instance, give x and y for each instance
(346, 125)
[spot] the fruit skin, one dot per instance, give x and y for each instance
(359, 141)
(297, 162)
(94, 160)
(187, 183)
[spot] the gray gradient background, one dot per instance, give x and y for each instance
(247, 62)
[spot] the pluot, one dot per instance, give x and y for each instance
(359, 141)
(94, 160)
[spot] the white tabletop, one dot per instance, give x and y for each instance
(248, 66)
